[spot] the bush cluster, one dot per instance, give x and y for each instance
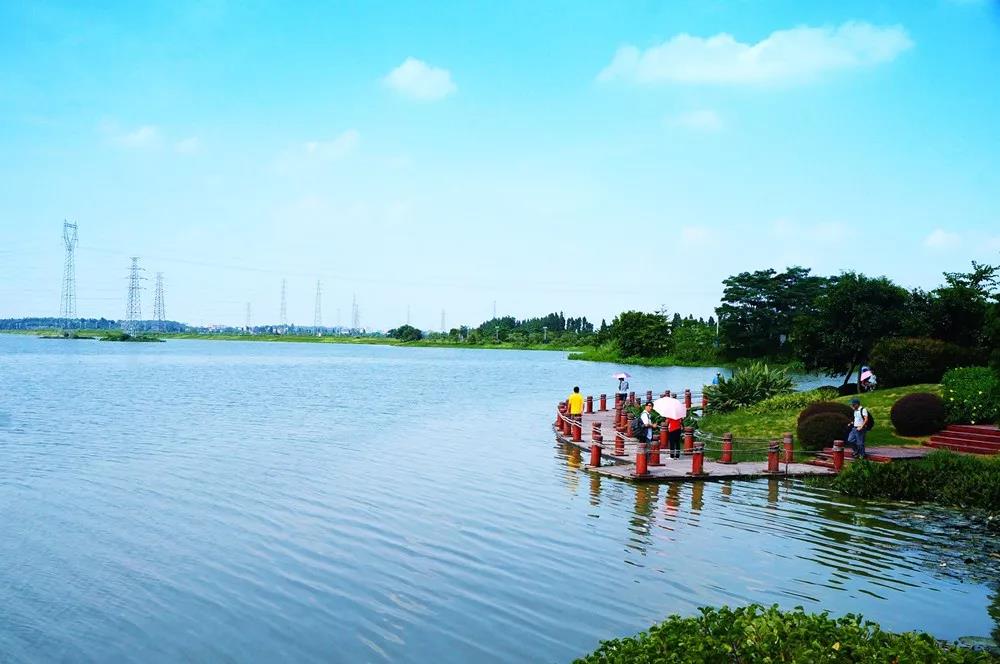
(971, 395)
(962, 480)
(908, 361)
(757, 634)
(918, 414)
(826, 407)
(748, 386)
(820, 430)
(791, 401)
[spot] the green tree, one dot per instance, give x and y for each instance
(848, 319)
(638, 334)
(758, 309)
(406, 333)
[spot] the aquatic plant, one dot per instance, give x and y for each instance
(748, 386)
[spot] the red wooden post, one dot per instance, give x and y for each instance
(604, 402)
(590, 404)
(789, 447)
(595, 455)
(772, 457)
(595, 433)
(649, 396)
(663, 435)
(727, 448)
(640, 460)
(838, 455)
(559, 408)
(687, 399)
(631, 397)
(577, 428)
(619, 443)
(704, 403)
(698, 460)
(688, 440)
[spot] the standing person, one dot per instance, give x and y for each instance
(647, 425)
(622, 389)
(856, 437)
(575, 403)
(674, 437)
(718, 375)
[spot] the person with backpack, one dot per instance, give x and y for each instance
(642, 426)
(863, 423)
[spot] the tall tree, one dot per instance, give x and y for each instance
(638, 334)
(847, 320)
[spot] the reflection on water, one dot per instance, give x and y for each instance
(242, 501)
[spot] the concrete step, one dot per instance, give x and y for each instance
(971, 437)
(964, 439)
(969, 448)
(981, 429)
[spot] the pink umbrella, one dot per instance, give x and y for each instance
(670, 408)
(866, 374)
(621, 374)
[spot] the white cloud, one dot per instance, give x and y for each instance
(418, 80)
(695, 234)
(942, 239)
(702, 120)
(188, 145)
(337, 148)
(796, 54)
(146, 136)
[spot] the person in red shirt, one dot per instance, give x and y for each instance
(674, 437)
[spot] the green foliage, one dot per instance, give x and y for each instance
(793, 400)
(918, 414)
(826, 407)
(406, 333)
(693, 341)
(755, 634)
(905, 361)
(820, 430)
(971, 395)
(638, 334)
(961, 480)
(850, 317)
(748, 386)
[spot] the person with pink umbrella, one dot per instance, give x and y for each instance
(674, 412)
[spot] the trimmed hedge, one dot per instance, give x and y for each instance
(961, 480)
(827, 407)
(918, 414)
(790, 401)
(820, 430)
(755, 634)
(971, 395)
(908, 361)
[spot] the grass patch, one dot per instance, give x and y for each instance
(756, 634)
(752, 423)
(605, 354)
(947, 478)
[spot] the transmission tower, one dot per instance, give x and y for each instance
(158, 314)
(249, 324)
(133, 306)
(443, 328)
(355, 313)
(284, 306)
(318, 314)
(67, 305)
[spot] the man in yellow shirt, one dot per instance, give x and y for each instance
(575, 402)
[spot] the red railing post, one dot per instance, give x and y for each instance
(727, 448)
(649, 396)
(698, 460)
(559, 407)
(604, 402)
(789, 447)
(704, 403)
(654, 451)
(687, 399)
(590, 404)
(577, 428)
(595, 455)
(619, 443)
(838, 455)
(631, 397)
(640, 460)
(688, 440)
(772, 457)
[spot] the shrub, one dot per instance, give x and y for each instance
(818, 431)
(748, 386)
(847, 390)
(971, 395)
(918, 414)
(755, 634)
(790, 401)
(961, 480)
(908, 361)
(406, 333)
(827, 407)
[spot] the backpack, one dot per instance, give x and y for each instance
(638, 428)
(871, 419)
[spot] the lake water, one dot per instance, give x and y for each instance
(303, 502)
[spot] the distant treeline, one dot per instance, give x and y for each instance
(53, 323)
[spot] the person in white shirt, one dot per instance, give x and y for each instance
(647, 423)
(623, 389)
(856, 437)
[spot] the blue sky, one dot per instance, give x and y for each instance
(585, 157)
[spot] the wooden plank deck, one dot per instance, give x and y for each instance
(672, 470)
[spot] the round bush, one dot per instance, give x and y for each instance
(818, 431)
(918, 414)
(826, 407)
